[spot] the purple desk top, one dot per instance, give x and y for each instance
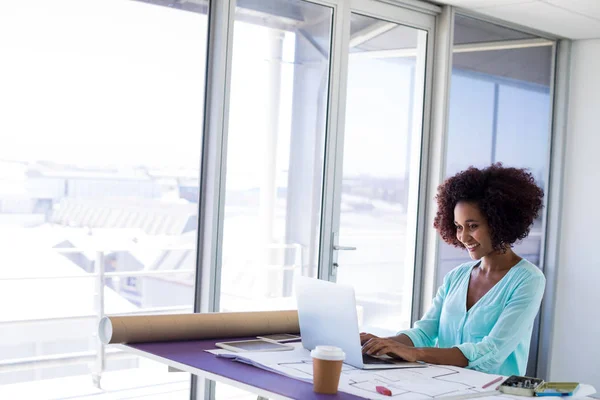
(192, 353)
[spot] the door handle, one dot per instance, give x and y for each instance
(336, 247)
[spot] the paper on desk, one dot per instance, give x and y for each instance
(435, 381)
(162, 328)
(275, 361)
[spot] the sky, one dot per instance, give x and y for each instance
(120, 82)
(101, 82)
(117, 82)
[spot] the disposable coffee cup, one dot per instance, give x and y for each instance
(327, 368)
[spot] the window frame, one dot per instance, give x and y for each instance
(438, 70)
(541, 341)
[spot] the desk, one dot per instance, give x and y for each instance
(189, 356)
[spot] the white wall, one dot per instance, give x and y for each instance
(575, 354)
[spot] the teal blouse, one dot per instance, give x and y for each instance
(494, 334)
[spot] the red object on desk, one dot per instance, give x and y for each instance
(383, 390)
(498, 379)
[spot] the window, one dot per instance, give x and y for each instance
(275, 152)
(382, 153)
(101, 132)
(500, 111)
(500, 108)
(101, 128)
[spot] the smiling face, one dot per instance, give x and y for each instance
(472, 230)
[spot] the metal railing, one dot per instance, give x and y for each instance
(99, 354)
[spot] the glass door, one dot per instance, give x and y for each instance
(275, 151)
(376, 189)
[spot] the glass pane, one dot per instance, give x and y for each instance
(275, 151)
(275, 155)
(102, 121)
(473, 134)
(382, 142)
(499, 112)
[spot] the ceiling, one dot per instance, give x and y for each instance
(573, 19)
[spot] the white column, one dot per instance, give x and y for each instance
(268, 186)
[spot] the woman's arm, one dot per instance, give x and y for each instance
(513, 323)
(432, 355)
(423, 334)
(451, 356)
(425, 331)
(402, 338)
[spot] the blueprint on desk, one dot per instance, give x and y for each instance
(433, 382)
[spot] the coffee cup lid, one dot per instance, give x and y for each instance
(330, 353)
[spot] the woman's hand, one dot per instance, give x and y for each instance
(376, 346)
(365, 337)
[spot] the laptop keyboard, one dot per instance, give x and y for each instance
(367, 359)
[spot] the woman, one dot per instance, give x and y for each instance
(482, 315)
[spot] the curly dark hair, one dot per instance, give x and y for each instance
(508, 197)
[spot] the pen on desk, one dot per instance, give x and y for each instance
(498, 379)
(383, 390)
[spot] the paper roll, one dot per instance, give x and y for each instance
(163, 328)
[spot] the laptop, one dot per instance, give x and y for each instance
(327, 316)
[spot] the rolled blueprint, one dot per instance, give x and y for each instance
(162, 328)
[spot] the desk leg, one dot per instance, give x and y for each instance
(202, 389)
